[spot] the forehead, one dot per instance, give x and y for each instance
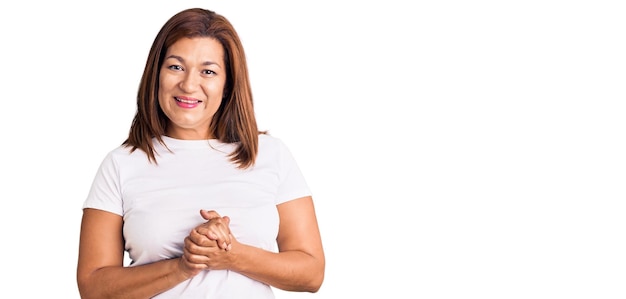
(200, 48)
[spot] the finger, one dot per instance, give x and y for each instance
(211, 235)
(225, 243)
(219, 226)
(223, 234)
(208, 215)
(222, 239)
(213, 230)
(230, 245)
(205, 231)
(200, 238)
(194, 254)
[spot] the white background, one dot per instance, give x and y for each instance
(456, 149)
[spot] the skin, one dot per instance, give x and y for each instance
(194, 71)
(298, 266)
(191, 86)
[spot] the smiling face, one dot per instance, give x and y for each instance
(191, 86)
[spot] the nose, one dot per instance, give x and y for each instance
(189, 82)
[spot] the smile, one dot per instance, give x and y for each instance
(187, 101)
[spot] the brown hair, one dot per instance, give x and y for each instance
(234, 120)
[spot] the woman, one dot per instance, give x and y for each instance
(205, 204)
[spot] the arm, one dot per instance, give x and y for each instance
(298, 266)
(101, 273)
(300, 263)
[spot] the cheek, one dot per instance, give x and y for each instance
(166, 82)
(215, 89)
(165, 86)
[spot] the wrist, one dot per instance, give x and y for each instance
(183, 269)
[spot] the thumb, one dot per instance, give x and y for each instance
(208, 215)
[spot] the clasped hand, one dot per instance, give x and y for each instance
(208, 245)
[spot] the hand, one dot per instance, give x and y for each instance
(216, 228)
(188, 266)
(208, 243)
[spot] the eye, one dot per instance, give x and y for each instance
(208, 72)
(175, 67)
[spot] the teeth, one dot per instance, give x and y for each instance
(186, 101)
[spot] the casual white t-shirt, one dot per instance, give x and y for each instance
(160, 204)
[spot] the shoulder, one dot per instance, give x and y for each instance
(274, 148)
(124, 151)
(123, 154)
(271, 143)
(269, 140)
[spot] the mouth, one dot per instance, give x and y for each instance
(186, 100)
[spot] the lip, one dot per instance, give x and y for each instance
(187, 102)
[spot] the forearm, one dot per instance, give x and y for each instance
(289, 270)
(143, 281)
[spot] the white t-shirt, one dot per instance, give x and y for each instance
(160, 204)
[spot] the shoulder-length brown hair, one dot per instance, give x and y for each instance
(234, 121)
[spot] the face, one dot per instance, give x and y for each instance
(191, 85)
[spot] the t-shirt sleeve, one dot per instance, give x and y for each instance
(292, 182)
(105, 192)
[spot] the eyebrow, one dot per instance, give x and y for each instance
(183, 60)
